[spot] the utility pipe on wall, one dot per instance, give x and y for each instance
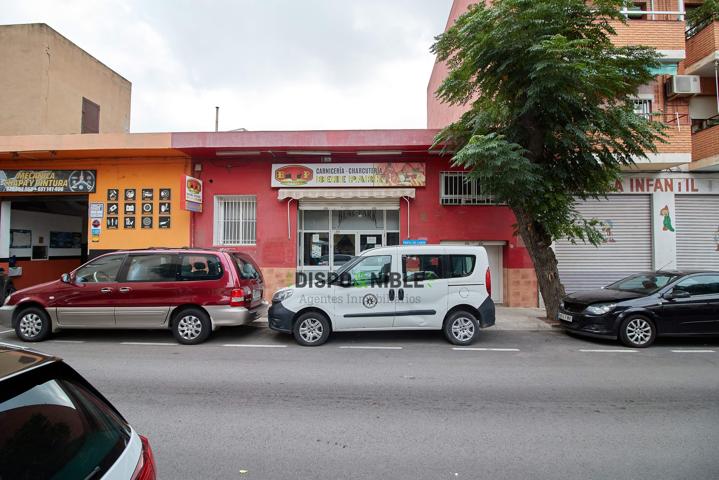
(406, 199)
(289, 222)
(716, 82)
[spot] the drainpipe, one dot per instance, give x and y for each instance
(406, 199)
(680, 4)
(716, 82)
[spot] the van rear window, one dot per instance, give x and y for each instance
(461, 265)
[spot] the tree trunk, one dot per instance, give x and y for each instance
(539, 243)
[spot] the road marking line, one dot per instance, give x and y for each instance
(694, 351)
(624, 350)
(6, 331)
(148, 343)
(252, 346)
(68, 341)
(482, 349)
(369, 348)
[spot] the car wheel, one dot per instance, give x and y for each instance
(191, 326)
(33, 325)
(637, 332)
(311, 329)
(461, 328)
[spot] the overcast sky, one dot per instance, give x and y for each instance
(268, 64)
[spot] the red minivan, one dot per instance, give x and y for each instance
(190, 291)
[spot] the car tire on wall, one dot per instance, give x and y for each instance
(33, 324)
(461, 328)
(311, 329)
(637, 332)
(191, 326)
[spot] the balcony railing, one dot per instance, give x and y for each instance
(673, 120)
(703, 124)
(636, 14)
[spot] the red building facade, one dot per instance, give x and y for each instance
(284, 227)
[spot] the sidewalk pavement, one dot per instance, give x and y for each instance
(518, 319)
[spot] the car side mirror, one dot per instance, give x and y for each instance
(65, 278)
(672, 294)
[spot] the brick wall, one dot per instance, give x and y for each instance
(702, 44)
(520, 287)
(276, 278)
(706, 143)
(662, 35)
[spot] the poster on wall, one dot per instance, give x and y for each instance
(192, 194)
(163, 222)
(65, 239)
(97, 210)
(56, 181)
(20, 238)
(398, 174)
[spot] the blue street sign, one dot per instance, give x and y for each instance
(414, 241)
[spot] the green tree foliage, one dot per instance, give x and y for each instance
(702, 15)
(550, 116)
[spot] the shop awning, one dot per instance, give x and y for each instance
(344, 193)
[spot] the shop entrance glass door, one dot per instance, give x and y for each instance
(350, 244)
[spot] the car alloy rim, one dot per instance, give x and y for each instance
(30, 325)
(463, 329)
(189, 327)
(311, 330)
(639, 331)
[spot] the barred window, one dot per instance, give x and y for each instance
(235, 220)
(457, 188)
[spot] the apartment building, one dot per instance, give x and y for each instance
(665, 211)
(49, 85)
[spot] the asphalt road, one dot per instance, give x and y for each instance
(521, 405)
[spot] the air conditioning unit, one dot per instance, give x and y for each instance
(682, 86)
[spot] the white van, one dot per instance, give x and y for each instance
(425, 287)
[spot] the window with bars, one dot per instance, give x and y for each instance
(642, 107)
(457, 188)
(235, 220)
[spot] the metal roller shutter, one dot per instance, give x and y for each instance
(349, 204)
(697, 226)
(628, 249)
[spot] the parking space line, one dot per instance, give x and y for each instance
(149, 343)
(368, 347)
(694, 351)
(6, 331)
(252, 346)
(614, 350)
(68, 341)
(484, 349)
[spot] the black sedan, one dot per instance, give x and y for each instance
(639, 308)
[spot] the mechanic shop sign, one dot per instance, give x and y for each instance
(48, 181)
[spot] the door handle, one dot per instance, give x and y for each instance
(125, 289)
(391, 294)
(105, 290)
(400, 294)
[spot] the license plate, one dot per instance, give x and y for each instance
(565, 317)
(255, 294)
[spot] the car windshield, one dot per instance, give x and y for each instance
(646, 283)
(56, 428)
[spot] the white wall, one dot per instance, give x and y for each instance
(41, 224)
(702, 107)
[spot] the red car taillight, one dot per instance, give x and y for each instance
(241, 297)
(145, 469)
(488, 282)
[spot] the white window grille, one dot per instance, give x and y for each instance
(235, 220)
(457, 188)
(642, 107)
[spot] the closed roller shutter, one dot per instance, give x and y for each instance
(628, 249)
(697, 226)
